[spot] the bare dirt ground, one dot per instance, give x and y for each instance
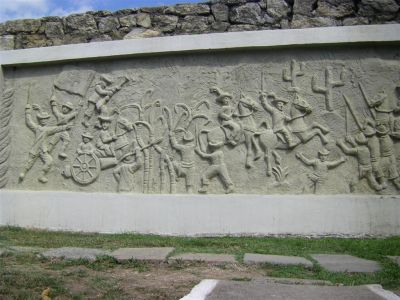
(139, 281)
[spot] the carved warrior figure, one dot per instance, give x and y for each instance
(247, 107)
(388, 158)
(186, 168)
(375, 152)
(279, 118)
(321, 167)
(41, 147)
(103, 92)
(225, 116)
(125, 171)
(86, 146)
(106, 138)
(383, 110)
(360, 150)
(217, 167)
(64, 117)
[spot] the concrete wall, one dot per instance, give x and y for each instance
(190, 215)
(212, 16)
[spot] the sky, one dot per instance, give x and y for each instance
(23, 9)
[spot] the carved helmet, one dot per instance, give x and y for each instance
(69, 105)
(87, 135)
(106, 79)
(188, 136)
(220, 94)
(323, 151)
(361, 139)
(275, 99)
(43, 115)
(130, 153)
(105, 118)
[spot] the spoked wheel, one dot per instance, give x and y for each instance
(85, 168)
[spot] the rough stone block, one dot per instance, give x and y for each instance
(128, 21)
(299, 21)
(346, 263)
(249, 13)
(303, 7)
(54, 30)
(355, 21)
(194, 24)
(108, 24)
(26, 26)
(205, 257)
(335, 8)
(220, 12)
(377, 7)
(84, 23)
(188, 9)
(74, 253)
(7, 42)
(138, 33)
(143, 20)
(151, 254)
(165, 23)
(251, 258)
(277, 8)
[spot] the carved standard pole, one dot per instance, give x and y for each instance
(330, 84)
(367, 100)
(290, 75)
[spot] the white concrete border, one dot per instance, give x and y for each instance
(202, 290)
(385, 294)
(191, 215)
(388, 33)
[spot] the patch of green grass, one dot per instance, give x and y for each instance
(28, 285)
(366, 248)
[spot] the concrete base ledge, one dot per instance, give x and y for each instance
(204, 215)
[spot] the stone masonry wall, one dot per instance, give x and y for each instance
(212, 16)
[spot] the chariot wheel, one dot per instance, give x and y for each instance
(85, 168)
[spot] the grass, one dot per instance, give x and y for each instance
(374, 249)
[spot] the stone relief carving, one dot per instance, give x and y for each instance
(126, 131)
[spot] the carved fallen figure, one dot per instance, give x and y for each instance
(104, 90)
(41, 146)
(64, 117)
(186, 168)
(216, 169)
(321, 167)
(360, 150)
(125, 170)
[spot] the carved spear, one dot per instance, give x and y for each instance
(352, 112)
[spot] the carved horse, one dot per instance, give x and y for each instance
(267, 141)
(303, 131)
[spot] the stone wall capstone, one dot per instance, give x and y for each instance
(208, 17)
